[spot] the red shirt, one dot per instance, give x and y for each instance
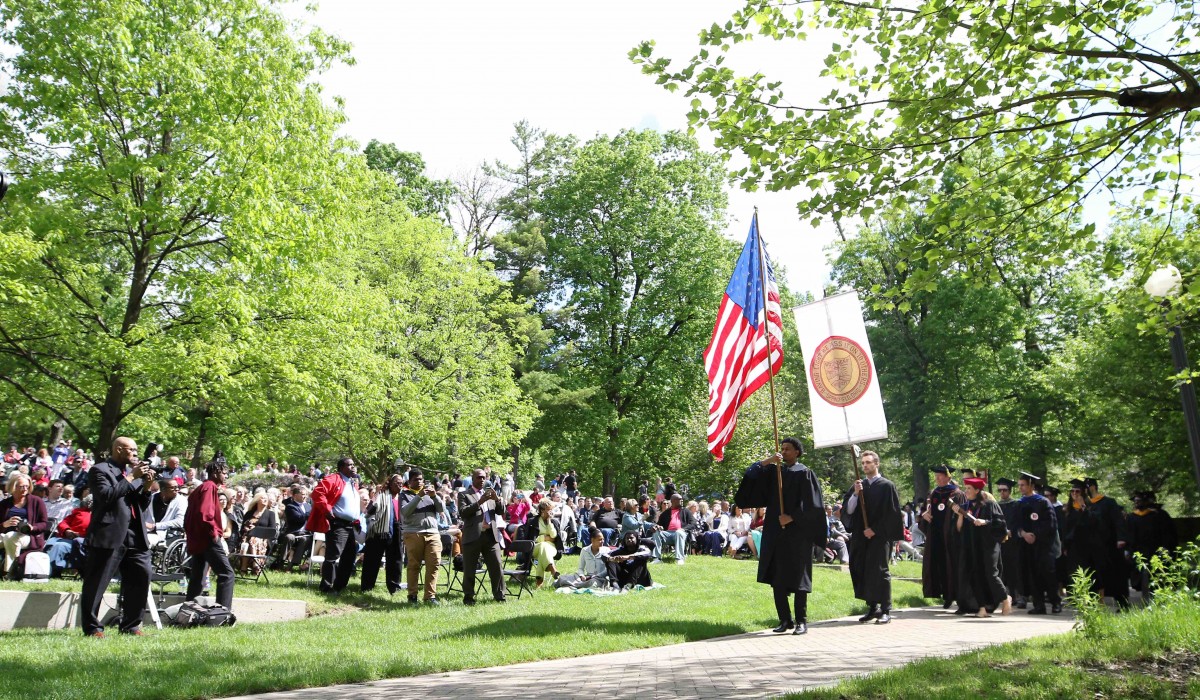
(78, 522)
(202, 521)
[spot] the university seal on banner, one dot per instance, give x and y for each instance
(840, 371)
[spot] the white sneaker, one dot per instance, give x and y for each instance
(679, 562)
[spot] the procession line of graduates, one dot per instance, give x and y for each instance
(983, 553)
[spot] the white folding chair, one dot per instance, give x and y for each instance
(315, 559)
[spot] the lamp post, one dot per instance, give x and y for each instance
(1164, 284)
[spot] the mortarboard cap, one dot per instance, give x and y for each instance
(1005, 481)
(1031, 478)
(942, 469)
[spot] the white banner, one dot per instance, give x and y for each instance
(843, 387)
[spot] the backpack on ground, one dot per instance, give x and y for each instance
(37, 567)
(193, 614)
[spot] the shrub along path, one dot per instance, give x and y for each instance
(758, 664)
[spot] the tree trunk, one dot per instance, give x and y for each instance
(516, 461)
(609, 472)
(57, 429)
(201, 437)
(384, 457)
(110, 414)
(920, 470)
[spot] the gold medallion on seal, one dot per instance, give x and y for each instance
(840, 371)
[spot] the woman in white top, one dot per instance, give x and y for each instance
(593, 569)
(739, 530)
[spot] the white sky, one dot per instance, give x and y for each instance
(449, 80)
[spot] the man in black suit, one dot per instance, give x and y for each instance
(116, 539)
(296, 510)
(479, 508)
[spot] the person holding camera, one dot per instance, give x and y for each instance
(422, 539)
(116, 539)
(480, 512)
(23, 522)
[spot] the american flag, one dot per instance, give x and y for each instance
(736, 357)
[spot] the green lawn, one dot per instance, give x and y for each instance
(373, 636)
(1149, 653)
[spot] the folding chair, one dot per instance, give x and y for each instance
(521, 574)
(316, 556)
(258, 562)
(457, 578)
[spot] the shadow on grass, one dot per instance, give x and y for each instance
(553, 625)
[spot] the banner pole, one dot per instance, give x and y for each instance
(862, 498)
(762, 267)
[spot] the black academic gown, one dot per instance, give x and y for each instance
(1149, 531)
(1106, 519)
(979, 583)
(786, 553)
(869, 557)
(1077, 542)
(1010, 569)
(939, 565)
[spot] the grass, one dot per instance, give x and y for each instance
(1148, 653)
(373, 636)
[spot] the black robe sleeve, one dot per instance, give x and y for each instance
(753, 491)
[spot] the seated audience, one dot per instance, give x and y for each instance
(23, 523)
(739, 531)
(593, 570)
(544, 549)
(66, 549)
(674, 524)
(258, 514)
(627, 563)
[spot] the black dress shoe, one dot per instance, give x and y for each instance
(883, 619)
(1056, 609)
(784, 626)
(946, 605)
(801, 628)
(468, 601)
(871, 615)
(1037, 610)
(960, 611)
(1020, 604)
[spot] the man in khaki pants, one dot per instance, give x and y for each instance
(422, 541)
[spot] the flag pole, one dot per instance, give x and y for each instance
(762, 266)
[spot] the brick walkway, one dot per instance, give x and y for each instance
(754, 665)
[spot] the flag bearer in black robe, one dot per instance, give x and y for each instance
(1038, 532)
(1010, 570)
(1106, 518)
(786, 552)
(982, 527)
(1151, 531)
(871, 542)
(939, 565)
